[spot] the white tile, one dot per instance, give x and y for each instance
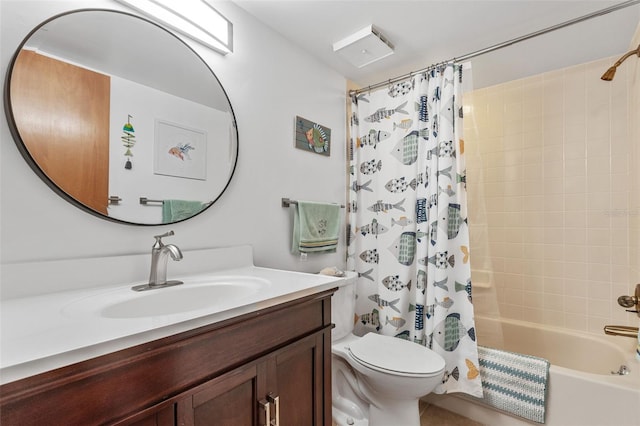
(561, 194)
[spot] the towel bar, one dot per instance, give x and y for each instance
(145, 201)
(286, 202)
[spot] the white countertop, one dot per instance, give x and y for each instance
(43, 332)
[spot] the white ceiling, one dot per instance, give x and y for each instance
(138, 51)
(425, 32)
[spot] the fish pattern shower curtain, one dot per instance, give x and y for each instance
(408, 232)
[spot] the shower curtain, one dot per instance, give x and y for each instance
(408, 236)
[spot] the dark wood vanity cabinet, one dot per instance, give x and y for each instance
(229, 374)
(287, 385)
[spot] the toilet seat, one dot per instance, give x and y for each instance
(395, 356)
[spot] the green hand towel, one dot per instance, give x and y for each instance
(175, 210)
(316, 227)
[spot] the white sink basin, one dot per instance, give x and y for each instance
(88, 314)
(194, 295)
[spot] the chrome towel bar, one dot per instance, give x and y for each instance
(286, 202)
(145, 201)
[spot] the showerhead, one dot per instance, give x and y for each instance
(611, 72)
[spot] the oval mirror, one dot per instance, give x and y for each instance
(121, 117)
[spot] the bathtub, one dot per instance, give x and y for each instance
(582, 391)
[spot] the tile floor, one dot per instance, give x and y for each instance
(431, 415)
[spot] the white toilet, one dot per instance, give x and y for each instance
(376, 380)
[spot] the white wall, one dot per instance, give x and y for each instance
(269, 82)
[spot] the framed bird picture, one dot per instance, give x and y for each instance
(312, 137)
(180, 151)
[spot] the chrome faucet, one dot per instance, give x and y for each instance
(160, 253)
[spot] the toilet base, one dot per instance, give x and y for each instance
(342, 419)
(400, 413)
(348, 406)
(396, 413)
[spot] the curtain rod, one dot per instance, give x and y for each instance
(507, 43)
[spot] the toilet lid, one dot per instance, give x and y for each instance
(396, 356)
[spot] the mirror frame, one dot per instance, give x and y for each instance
(22, 148)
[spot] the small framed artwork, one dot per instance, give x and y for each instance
(180, 151)
(313, 137)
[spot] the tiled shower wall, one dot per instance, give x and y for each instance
(554, 188)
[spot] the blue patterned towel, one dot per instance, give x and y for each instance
(514, 383)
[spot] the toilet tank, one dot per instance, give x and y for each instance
(343, 306)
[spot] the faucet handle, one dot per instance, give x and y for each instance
(158, 244)
(166, 234)
(627, 301)
(631, 301)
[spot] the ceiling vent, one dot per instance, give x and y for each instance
(364, 47)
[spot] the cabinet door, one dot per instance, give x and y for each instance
(284, 388)
(229, 400)
(296, 376)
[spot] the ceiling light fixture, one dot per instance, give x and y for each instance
(364, 47)
(196, 19)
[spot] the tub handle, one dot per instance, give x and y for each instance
(631, 301)
(627, 301)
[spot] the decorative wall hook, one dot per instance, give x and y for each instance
(128, 140)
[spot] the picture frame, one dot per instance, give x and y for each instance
(313, 137)
(180, 151)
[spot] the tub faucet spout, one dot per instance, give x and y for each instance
(621, 330)
(160, 253)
